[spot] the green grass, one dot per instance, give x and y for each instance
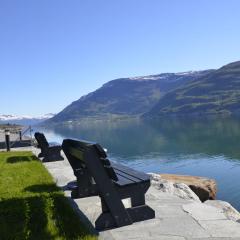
(31, 205)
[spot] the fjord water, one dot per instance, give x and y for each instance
(200, 147)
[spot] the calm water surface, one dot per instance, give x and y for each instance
(202, 147)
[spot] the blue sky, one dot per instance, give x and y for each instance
(53, 52)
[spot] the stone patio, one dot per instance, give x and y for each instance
(176, 218)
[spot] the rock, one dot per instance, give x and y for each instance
(204, 188)
(227, 209)
(178, 189)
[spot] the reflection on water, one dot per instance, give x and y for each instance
(203, 147)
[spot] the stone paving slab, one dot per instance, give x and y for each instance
(202, 212)
(213, 238)
(222, 228)
(176, 218)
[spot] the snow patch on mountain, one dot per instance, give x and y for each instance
(9, 117)
(24, 120)
(164, 75)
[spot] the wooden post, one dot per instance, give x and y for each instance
(7, 139)
(20, 135)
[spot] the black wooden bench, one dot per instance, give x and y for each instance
(112, 182)
(49, 151)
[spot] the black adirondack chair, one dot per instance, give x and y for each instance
(97, 176)
(49, 151)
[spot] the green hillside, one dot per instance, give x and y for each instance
(125, 97)
(216, 93)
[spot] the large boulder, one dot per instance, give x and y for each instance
(178, 189)
(204, 188)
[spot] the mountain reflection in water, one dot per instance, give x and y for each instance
(208, 147)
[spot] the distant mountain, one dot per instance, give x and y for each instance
(24, 120)
(216, 93)
(126, 96)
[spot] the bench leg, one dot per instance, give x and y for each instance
(141, 213)
(138, 199)
(40, 155)
(81, 193)
(84, 186)
(107, 220)
(104, 206)
(52, 157)
(137, 214)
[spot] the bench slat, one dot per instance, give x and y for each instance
(140, 175)
(131, 178)
(123, 181)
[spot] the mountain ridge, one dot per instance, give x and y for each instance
(125, 96)
(216, 93)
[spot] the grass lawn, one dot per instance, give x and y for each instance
(31, 205)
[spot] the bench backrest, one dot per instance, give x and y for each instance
(41, 140)
(76, 150)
